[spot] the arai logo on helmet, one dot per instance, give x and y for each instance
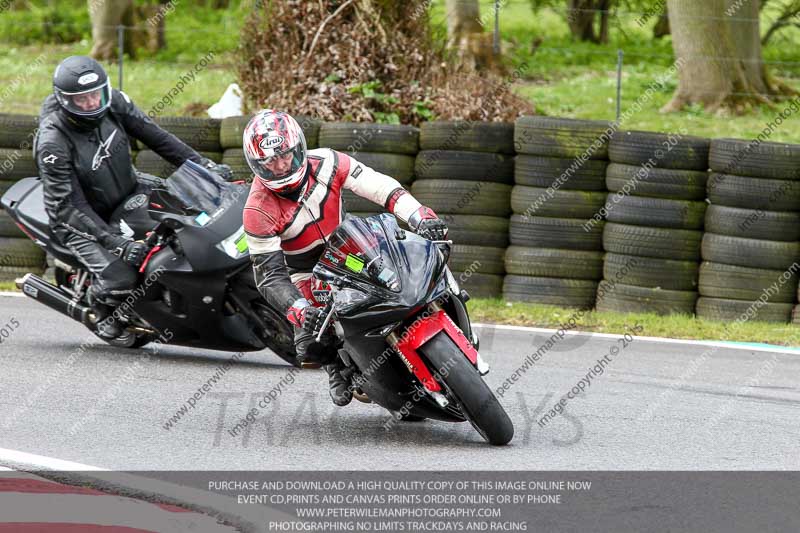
(272, 142)
(86, 79)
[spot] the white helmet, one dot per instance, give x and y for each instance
(275, 149)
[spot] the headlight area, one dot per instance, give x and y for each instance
(235, 245)
(348, 298)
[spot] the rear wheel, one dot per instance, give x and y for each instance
(466, 387)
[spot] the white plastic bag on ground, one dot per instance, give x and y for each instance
(230, 105)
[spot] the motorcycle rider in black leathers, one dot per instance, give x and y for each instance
(82, 150)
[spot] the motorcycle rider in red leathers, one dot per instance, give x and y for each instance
(295, 203)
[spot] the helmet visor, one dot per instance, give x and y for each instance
(280, 166)
(88, 103)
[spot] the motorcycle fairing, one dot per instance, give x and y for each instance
(422, 332)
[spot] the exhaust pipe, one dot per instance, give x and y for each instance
(35, 287)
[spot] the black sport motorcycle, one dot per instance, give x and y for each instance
(408, 344)
(196, 286)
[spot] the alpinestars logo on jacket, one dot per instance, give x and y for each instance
(102, 151)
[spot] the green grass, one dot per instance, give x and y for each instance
(146, 82)
(673, 326)
(26, 67)
(7, 286)
(567, 78)
(564, 77)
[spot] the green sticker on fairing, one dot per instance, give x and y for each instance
(241, 244)
(354, 263)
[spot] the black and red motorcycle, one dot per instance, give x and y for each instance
(407, 339)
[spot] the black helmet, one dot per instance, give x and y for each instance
(82, 88)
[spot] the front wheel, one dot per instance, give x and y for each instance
(465, 385)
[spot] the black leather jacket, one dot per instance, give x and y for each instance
(87, 171)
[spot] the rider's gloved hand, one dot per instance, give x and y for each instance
(426, 224)
(308, 319)
(222, 169)
(132, 252)
(305, 316)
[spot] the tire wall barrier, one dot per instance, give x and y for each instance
(751, 248)
(556, 252)
(564, 212)
(654, 210)
(18, 254)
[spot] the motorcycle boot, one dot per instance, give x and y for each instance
(108, 326)
(339, 385)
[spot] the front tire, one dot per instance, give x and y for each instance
(465, 385)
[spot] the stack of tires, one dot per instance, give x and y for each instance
(556, 256)
(202, 134)
(464, 172)
(18, 254)
(230, 140)
(654, 212)
(751, 250)
(385, 148)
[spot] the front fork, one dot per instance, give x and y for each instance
(434, 321)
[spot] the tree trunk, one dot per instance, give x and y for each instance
(661, 29)
(465, 34)
(605, 6)
(463, 18)
(106, 15)
(581, 18)
(718, 57)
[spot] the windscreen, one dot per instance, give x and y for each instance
(192, 191)
(363, 247)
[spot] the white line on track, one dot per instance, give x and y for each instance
(46, 463)
(12, 294)
(246, 519)
(662, 340)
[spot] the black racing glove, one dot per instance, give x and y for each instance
(224, 171)
(132, 252)
(305, 316)
(426, 224)
(314, 317)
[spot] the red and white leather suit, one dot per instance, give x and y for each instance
(286, 235)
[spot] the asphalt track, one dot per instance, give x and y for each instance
(657, 406)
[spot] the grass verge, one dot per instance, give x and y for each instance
(673, 326)
(7, 286)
